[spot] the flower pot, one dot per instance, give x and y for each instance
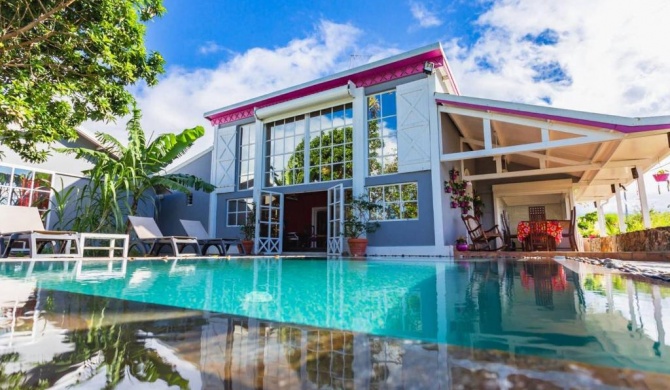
(461, 247)
(248, 246)
(660, 177)
(358, 246)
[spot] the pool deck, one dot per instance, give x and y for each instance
(661, 256)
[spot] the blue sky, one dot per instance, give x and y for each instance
(604, 56)
(203, 33)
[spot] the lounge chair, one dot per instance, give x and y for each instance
(19, 224)
(150, 240)
(195, 229)
(480, 237)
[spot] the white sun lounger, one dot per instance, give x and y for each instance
(24, 224)
(150, 240)
(195, 229)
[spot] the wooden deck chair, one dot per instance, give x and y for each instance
(150, 240)
(195, 229)
(480, 237)
(538, 238)
(507, 232)
(570, 233)
(24, 224)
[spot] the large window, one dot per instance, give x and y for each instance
(25, 187)
(382, 134)
(399, 201)
(247, 157)
(330, 144)
(239, 211)
(324, 135)
(285, 151)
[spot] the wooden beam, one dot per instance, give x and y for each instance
(532, 172)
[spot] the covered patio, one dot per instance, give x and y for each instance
(518, 158)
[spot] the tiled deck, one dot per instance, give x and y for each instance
(631, 256)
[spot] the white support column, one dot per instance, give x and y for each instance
(436, 166)
(601, 219)
(259, 171)
(360, 145)
(211, 220)
(644, 203)
(487, 134)
(619, 209)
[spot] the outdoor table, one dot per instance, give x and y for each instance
(112, 240)
(554, 229)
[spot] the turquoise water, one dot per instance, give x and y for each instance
(543, 309)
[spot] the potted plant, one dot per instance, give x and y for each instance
(461, 244)
(357, 222)
(661, 175)
(249, 231)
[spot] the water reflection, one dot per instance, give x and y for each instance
(498, 317)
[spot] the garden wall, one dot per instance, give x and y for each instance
(650, 240)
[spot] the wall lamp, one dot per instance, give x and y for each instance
(634, 172)
(189, 199)
(613, 187)
(428, 67)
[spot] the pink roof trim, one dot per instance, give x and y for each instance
(388, 72)
(586, 122)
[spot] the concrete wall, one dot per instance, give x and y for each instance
(406, 233)
(173, 207)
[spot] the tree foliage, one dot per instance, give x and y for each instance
(124, 176)
(66, 61)
(587, 223)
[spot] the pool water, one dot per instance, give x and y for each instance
(314, 323)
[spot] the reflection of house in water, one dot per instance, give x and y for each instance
(519, 308)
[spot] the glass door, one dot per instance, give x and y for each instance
(269, 217)
(335, 220)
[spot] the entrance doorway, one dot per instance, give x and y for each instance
(305, 222)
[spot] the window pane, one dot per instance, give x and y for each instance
(23, 178)
(409, 192)
(410, 210)
(4, 195)
(388, 104)
(5, 175)
(391, 194)
(374, 107)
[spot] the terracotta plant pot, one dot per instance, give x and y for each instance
(461, 247)
(358, 246)
(248, 246)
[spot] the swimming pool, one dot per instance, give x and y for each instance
(310, 323)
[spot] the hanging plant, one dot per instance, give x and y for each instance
(458, 190)
(661, 175)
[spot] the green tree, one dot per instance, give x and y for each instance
(124, 176)
(66, 61)
(587, 223)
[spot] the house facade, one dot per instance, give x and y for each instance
(398, 131)
(32, 184)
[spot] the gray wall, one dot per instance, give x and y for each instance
(406, 233)
(172, 207)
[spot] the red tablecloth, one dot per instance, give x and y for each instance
(554, 229)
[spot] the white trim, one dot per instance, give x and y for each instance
(360, 69)
(360, 145)
(428, 250)
(580, 115)
(306, 104)
(190, 159)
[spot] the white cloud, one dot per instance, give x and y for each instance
(422, 15)
(182, 96)
(611, 51)
(210, 47)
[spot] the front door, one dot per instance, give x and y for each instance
(335, 220)
(269, 217)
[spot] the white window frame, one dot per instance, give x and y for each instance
(11, 186)
(250, 161)
(381, 216)
(247, 201)
(381, 119)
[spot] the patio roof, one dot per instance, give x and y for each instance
(594, 150)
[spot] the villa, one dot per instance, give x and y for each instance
(399, 130)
